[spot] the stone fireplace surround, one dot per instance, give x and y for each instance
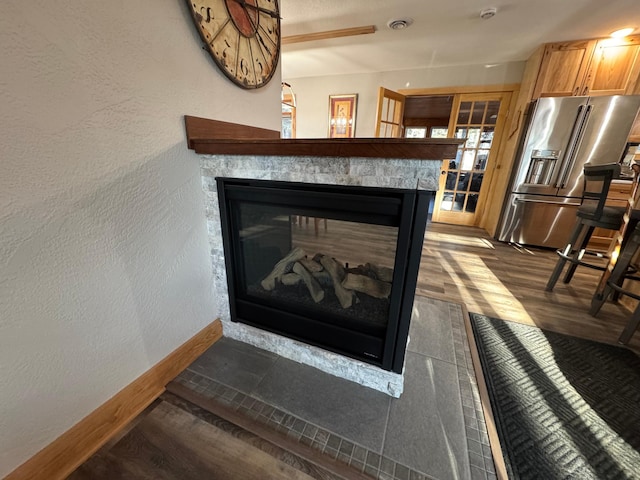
(321, 166)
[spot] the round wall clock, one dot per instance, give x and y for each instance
(242, 36)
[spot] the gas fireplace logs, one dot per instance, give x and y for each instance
(283, 266)
(325, 271)
(364, 284)
(336, 270)
(316, 291)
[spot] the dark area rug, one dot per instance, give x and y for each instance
(564, 407)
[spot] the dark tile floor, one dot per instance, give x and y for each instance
(434, 430)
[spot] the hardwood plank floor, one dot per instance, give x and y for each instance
(493, 278)
(464, 264)
(460, 264)
(171, 442)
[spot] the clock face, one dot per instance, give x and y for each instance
(242, 36)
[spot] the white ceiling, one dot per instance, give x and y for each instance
(444, 32)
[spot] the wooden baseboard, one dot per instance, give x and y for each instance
(67, 452)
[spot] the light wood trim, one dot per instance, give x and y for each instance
(395, 101)
(490, 172)
(343, 32)
(492, 431)
(634, 134)
(635, 90)
(506, 87)
(290, 100)
(464, 218)
(497, 187)
(506, 159)
(61, 457)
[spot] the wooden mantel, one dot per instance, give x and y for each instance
(214, 137)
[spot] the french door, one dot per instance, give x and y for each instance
(464, 181)
(389, 114)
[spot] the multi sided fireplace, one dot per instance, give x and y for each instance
(331, 266)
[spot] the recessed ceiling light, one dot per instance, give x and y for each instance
(623, 32)
(400, 23)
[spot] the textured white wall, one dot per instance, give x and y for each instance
(312, 93)
(104, 258)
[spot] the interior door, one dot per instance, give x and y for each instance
(390, 113)
(479, 118)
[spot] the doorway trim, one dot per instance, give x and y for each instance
(496, 190)
(494, 88)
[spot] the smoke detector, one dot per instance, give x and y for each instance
(399, 24)
(488, 13)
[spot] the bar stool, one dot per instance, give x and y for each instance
(316, 222)
(592, 213)
(614, 284)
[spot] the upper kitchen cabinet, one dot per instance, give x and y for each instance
(563, 68)
(590, 68)
(614, 67)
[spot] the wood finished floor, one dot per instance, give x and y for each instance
(176, 439)
(464, 264)
(496, 279)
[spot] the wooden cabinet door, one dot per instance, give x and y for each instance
(634, 134)
(614, 68)
(563, 68)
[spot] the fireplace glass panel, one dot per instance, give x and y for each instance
(363, 252)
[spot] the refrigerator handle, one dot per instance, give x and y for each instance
(574, 144)
(549, 202)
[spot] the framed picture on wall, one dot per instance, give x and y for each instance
(342, 115)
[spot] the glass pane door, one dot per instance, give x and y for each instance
(389, 115)
(476, 118)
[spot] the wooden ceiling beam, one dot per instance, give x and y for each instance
(344, 32)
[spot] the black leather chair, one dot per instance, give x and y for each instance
(592, 213)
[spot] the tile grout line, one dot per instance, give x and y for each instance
(487, 467)
(386, 425)
(455, 333)
(277, 422)
(255, 387)
(346, 450)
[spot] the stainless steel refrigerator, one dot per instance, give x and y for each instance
(562, 134)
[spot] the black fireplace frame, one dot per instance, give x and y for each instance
(406, 209)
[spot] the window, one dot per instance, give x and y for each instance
(438, 132)
(415, 132)
(421, 132)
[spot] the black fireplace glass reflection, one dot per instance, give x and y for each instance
(363, 253)
(332, 266)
